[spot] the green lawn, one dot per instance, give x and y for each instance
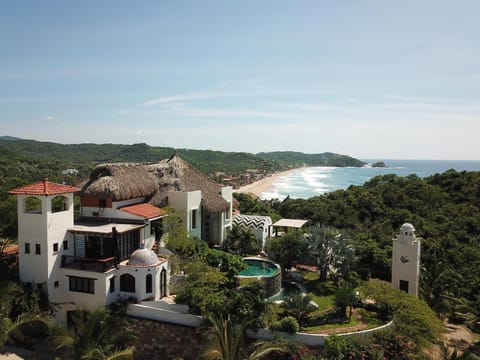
(320, 328)
(323, 295)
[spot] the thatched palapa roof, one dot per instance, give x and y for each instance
(123, 181)
(120, 181)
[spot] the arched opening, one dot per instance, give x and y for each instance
(148, 283)
(59, 203)
(33, 205)
(127, 283)
(163, 283)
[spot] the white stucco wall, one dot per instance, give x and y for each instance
(406, 261)
(46, 229)
(140, 274)
(184, 203)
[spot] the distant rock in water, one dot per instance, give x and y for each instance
(379, 164)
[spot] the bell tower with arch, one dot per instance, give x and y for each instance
(406, 260)
(45, 213)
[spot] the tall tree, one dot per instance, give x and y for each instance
(226, 341)
(332, 250)
(287, 249)
(18, 325)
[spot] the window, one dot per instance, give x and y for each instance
(163, 283)
(127, 243)
(59, 203)
(127, 283)
(37, 249)
(65, 245)
(33, 205)
(148, 283)
(56, 284)
(55, 247)
(84, 285)
(112, 284)
(27, 248)
(194, 218)
(404, 285)
(156, 228)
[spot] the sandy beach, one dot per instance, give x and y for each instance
(260, 186)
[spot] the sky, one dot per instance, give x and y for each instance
(386, 79)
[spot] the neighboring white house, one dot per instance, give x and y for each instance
(204, 205)
(260, 226)
(406, 260)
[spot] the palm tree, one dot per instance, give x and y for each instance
(439, 284)
(24, 327)
(248, 242)
(96, 335)
(17, 329)
(231, 242)
(332, 250)
(240, 240)
(298, 306)
(226, 341)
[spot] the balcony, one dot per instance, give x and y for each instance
(88, 264)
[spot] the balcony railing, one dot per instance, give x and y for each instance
(88, 264)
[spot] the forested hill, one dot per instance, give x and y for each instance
(208, 161)
(291, 158)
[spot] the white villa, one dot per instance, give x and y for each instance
(107, 253)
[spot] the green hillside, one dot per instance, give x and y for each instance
(291, 158)
(87, 155)
(25, 161)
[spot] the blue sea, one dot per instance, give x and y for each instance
(312, 181)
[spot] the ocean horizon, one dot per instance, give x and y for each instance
(313, 181)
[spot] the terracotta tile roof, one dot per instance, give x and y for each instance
(146, 210)
(11, 250)
(44, 187)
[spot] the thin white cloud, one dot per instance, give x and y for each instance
(49, 118)
(54, 98)
(302, 106)
(207, 95)
(220, 112)
(476, 76)
(187, 97)
(417, 106)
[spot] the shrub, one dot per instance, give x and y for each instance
(334, 347)
(289, 324)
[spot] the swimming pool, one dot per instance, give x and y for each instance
(265, 271)
(259, 267)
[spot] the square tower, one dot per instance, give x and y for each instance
(406, 260)
(45, 212)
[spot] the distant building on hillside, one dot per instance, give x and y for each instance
(70, 172)
(406, 260)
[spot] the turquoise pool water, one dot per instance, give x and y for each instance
(259, 268)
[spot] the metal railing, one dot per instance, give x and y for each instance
(88, 264)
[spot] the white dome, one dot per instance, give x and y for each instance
(143, 257)
(407, 227)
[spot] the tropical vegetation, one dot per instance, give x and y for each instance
(95, 335)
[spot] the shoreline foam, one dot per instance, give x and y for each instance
(258, 187)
